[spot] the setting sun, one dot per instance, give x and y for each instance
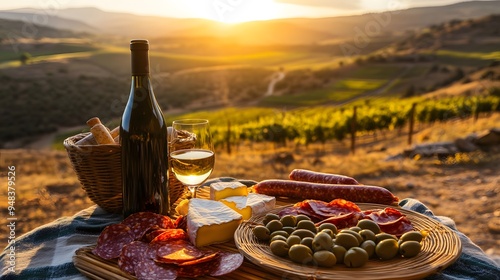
(228, 11)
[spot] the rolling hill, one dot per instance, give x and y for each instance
(286, 30)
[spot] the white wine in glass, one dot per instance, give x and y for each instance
(193, 165)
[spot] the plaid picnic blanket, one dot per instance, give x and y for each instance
(46, 252)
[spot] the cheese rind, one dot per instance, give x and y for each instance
(222, 190)
(251, 205)
(210, 222)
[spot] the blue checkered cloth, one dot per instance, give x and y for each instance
(46, 252)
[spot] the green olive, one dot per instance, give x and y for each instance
(322, 241)
(307, 224)
(278, 237)
(300, 254)
(279, 232)
(412, 235)
(288, 220)
(274, 225)
(355, 257)
(346, 240)
(339, 253)
(324, 259)
(308, 241)
(289, 230)
(270, 217)
(383, 236)
(328, 231)
(330, 226)
(279, 248)
(355, 234)
(292, 240)
(387, 249)
(356, 229)
(367, 234)
(369, 224)
(262, 233)
(302, 218)
(302, 233)
(410, 248)
(369, 247)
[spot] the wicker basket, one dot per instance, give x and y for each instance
(98, 168)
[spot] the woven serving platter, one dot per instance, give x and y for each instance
(440, 248)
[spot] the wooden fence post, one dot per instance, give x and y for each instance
(353, 130)
(412, 123)
(228, 137)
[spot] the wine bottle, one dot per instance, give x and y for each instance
(143, 139)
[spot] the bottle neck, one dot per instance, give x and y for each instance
(140, 63)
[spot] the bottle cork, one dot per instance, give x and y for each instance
(101, 134)
(89, 139)
(115, 132)
(93, 121)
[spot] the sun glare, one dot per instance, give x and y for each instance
(237, 11)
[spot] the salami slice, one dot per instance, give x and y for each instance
(340, 212)
(148, 269)
(131, 254)
(390, 220)
(142, 222)
(343, 220)
(169, 234)
(228, 263)
(111, 241)
(318, 177)
(206, 258)
(178, 252)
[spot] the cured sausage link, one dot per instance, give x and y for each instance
(319, 177)
(325, 192)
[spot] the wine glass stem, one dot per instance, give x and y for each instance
(192, 189)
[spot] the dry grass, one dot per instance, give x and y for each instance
(47, 187)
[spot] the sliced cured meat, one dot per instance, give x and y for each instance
(142, 222)
(181, 222)
(344, 212)
(131, 254)
(152, 218)
(342, 220)
(199, 269)
(228, 263)
(148, 269)
(390, 220)
(111, 241)
(318, 177)
(206, 258)
(177, 252)
(344, 206)
(169, 234)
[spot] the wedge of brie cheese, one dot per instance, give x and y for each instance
(253, 204)
(222, 190)
(210, 222)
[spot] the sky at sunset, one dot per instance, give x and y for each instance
(230, 10)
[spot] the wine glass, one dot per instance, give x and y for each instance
(193, 161)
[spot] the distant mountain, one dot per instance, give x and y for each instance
(283, 31)
(15, 29)
(37, 17)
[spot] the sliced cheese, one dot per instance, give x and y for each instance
(222, 190)
(253, 204)
(210, 222)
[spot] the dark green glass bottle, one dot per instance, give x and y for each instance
(143, 139)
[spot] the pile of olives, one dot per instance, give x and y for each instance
(299, 239)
